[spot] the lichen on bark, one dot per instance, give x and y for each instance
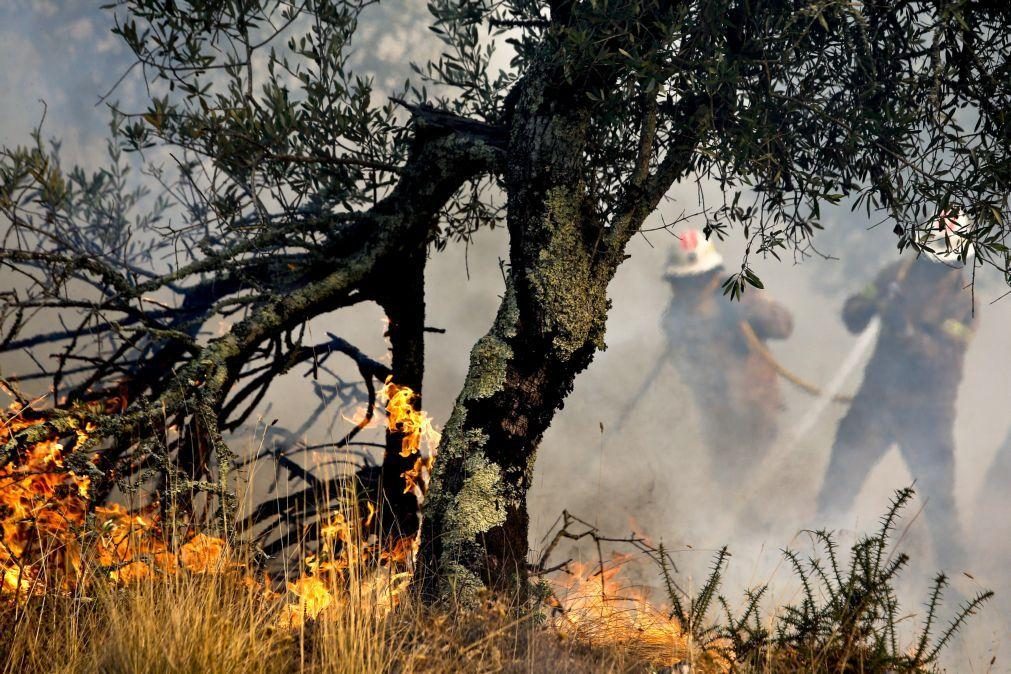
(490, 356)
(476, 509)
(466, 513)
(479, 504)
(563, 278)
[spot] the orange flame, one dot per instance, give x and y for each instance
(49, 540)
(47, 532)
(42, 505)
(594, 604)
(348, 556)
(419, 435)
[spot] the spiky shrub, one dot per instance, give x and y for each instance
(847, 619)
(692, 616)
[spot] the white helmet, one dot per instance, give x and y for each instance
(945, 237)
(693, 254)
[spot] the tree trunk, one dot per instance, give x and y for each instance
(550, 323)
(548, 327)
(403, 299)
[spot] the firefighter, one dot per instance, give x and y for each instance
(734, 384)
(910, 385)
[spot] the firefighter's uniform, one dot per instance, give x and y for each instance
(736, 389)
(909, 390)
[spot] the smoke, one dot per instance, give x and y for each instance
(652, 476)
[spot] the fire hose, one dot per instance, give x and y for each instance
(755, 344)
(769, 472)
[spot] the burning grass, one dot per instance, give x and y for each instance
(89, 588)
(595, 606)
(55, 540)
(102, 588)
(209, 613)
(215, 623)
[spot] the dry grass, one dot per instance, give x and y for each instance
(218, 623)
(221, 623)
(176, 623)
(200, 611)
(122, 596)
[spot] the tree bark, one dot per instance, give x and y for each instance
(550, 323)
(403, 300)
(548, 327)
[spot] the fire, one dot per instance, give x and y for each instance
(130, 544)
(350, 563)
(42, 507)
(313, 596)
(50, 543)
(419, 435)
(55, 539)
(594, 604)
(202, 554)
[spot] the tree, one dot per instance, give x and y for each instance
(298, 195)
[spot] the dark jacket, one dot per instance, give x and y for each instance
(908, 393)
(926, 325)
(736, 389)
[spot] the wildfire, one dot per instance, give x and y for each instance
(55, 539)
(349, 563)
(42, 505)
(594, 604)
(130, 544)
(50, 542)
(419, 435)
(312, 597)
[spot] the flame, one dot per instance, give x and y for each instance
(349, 559)
(262, 587)
(419, 436)
(42, 506)
(596, 605)
(349, 563)
(50, 543)
(202, 554)
(313, 595)
(130, 544)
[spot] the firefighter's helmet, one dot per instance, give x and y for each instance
(693, 254)
(946, 238)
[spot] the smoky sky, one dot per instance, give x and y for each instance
(652, 475)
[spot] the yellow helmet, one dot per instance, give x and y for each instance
(693, 254)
